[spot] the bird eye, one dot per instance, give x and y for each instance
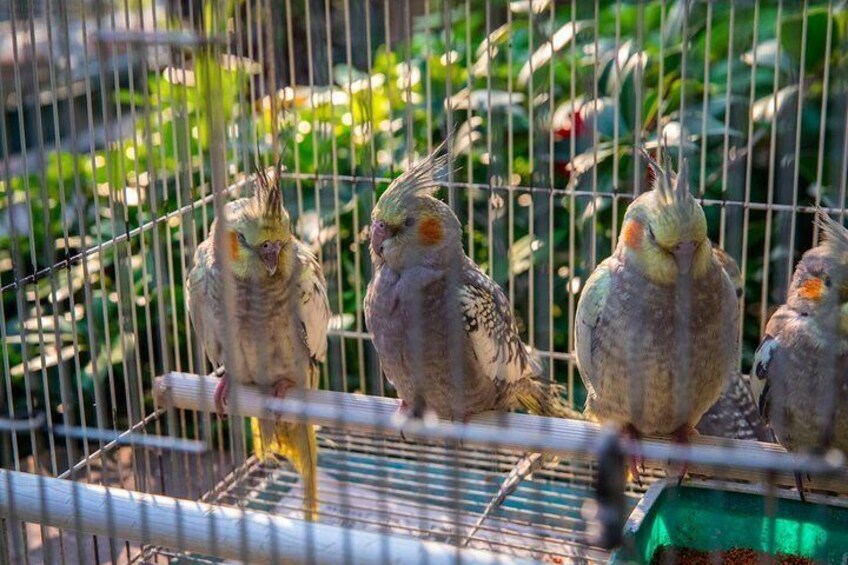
(241, 238)
(651, 234)
(409, 222)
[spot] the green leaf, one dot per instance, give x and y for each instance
(766, 108)
(628, 89)
(792, 29)
(768, 56)
(602, 110)
(697, 123)
(542, 56)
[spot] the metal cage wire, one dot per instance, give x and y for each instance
(120, 144)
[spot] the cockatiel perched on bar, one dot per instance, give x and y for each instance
(428, 305)
(281, 312)
(800, 372)
(657, 322)
(443, 330)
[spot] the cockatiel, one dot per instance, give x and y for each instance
(735, 415)
(800, 372)
(657, 322)
(443, 330)
(279, 330)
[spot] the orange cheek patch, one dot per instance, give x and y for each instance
(812, 289)
(234, 245)
(633, 233)
(430, 231)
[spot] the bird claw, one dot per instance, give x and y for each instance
(635, 463)
(222, 391)
(680, 436)
(402, 411)
(799, 484)
(636, 460)
(282, 388)
(465, 420)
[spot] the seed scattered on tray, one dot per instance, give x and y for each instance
(670, 555)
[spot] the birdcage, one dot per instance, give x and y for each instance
(126, 128)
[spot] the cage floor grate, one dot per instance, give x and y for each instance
(430, 491)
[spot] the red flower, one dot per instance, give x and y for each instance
(566, 123)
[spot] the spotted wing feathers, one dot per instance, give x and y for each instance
(313, 306)
(490, 326)
(735, 415)
(202, 297)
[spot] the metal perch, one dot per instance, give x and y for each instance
(728, 459)
(224, 532)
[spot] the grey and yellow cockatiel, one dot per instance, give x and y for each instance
(278, 332)
(800, 372)
(443, 330)
(735, 414)
(657, 322)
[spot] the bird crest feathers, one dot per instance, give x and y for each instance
(835, 234)
(421, 179)
(671, 188)
(268, 199)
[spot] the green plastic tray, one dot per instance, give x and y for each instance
(707, 517)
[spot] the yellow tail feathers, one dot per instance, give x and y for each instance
(297, 443)
(543, 399)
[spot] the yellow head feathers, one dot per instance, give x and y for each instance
(266, 205)
(258, 227)
(422, 179)
(835, 235)
(665, 230)
(409, 226)
(821, 276)
(670, 190)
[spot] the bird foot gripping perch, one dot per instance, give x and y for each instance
(636, 460)
(680, 437)
(282, 388)
(222, 392)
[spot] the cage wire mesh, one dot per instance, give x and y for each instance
(126, 128)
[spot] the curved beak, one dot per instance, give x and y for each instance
(269, 252)
(683, 254)
(380, 232)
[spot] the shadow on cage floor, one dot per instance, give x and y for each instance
(425, 490)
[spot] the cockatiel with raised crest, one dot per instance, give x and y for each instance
(278, 333)
(657, 322)
(443, 330)
(800, 372)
